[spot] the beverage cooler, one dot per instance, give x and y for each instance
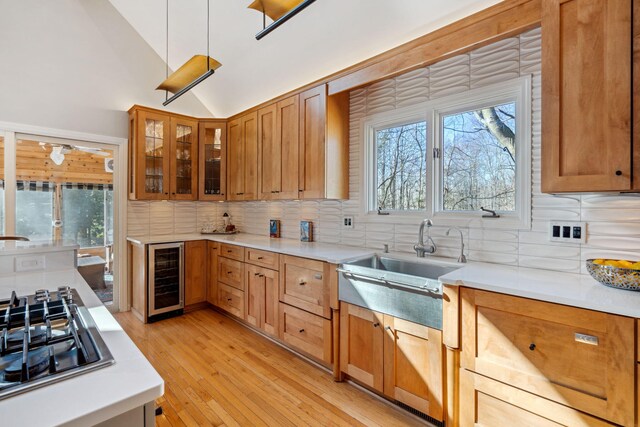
(166, 280)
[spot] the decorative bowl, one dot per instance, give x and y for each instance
(615, 277)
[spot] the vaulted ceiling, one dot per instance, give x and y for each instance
(326, 37)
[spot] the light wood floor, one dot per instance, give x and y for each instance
(220, 373)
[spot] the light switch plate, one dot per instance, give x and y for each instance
(29, 263)
(567, 232)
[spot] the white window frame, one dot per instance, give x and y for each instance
(516, 90)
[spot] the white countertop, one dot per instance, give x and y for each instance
(11, 247)
(335, 254)
(91, 397)
(576, 290)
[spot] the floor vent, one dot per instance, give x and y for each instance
(421, 415)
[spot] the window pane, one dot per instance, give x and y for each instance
(401, 167)
(83, 216)
(34, 214)
(479, 150)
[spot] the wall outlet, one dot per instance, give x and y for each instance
(29, 263)
(568, 232)
(347, 222)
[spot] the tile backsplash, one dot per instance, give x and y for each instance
(613, 221)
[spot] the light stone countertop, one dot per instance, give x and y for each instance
(92, 397)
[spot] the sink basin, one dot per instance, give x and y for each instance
(404, 288)
(425, 269)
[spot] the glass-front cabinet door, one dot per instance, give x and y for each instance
(184, 159)
(213, 151)
(150, 168)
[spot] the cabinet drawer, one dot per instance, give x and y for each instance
(262, 258)
(488, 403)
(306, 332)
(232, 251)
(304, 285)
(581, 358)
(231, 272)
(231, 300)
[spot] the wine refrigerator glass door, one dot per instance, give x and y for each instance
(166, 278)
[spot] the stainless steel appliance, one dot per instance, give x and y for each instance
(45, 338)
(166, 280)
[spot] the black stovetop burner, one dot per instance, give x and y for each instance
(47, 337)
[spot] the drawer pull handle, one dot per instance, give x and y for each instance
(229, 251)
(256, 274)
(229, 299)
(301, 330)
(375, 325)
(229, 272)
(532, 346)
(262, 275)
(259, 257)
(302, 283)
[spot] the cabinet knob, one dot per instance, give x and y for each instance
(375, 325)
(301, 330)
(618, 173)
(532, 346)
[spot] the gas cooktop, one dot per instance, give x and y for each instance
(47, 337)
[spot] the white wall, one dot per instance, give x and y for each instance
(613, 220)
(77, 65)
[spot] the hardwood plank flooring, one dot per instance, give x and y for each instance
(219, 373)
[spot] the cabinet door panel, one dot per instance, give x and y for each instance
(287, 130)
(212, 161)
(270, 307)
(270, 155)
(195, 255)
(235, 161)
(255, 295)
(231, 272)
(413, 362)
(250, 136)
(184, 159)
(152, 149)
(361, 345)
(586, 103)
(313, 108)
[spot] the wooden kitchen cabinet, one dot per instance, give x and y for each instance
(579, 358)
(212, 272)
(306, 332)
(212, 160)
(278, 149)
(163, 155)
(195, 272)
(362, 345)
(242, 160)
(400, 359)
(231, 300)
(231, 272)
(262, 298)
(324, 145)
(305, 285)
(586, 96)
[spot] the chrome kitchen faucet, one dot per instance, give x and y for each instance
(420, 248)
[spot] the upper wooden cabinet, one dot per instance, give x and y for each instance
(586, 95)
(212, 156)
(324, 145)
(242, 170)
(278, 150)
(163, 156)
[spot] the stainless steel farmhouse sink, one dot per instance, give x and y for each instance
(408, 289)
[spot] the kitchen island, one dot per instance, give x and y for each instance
(122, 393)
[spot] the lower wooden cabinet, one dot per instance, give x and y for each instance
(195, 277)
(579, 358)
(489, 403)
(262, 298)
(305, 285)
(231, 272)
(401, 359)
(231, 300)
(306, 332)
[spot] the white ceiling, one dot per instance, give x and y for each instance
(326, 37)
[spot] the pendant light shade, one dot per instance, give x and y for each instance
(191, 73)
(280, 11)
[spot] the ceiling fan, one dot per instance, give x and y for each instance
(59, 150)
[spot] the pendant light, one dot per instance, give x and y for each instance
(191, 73)
(280, 11)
